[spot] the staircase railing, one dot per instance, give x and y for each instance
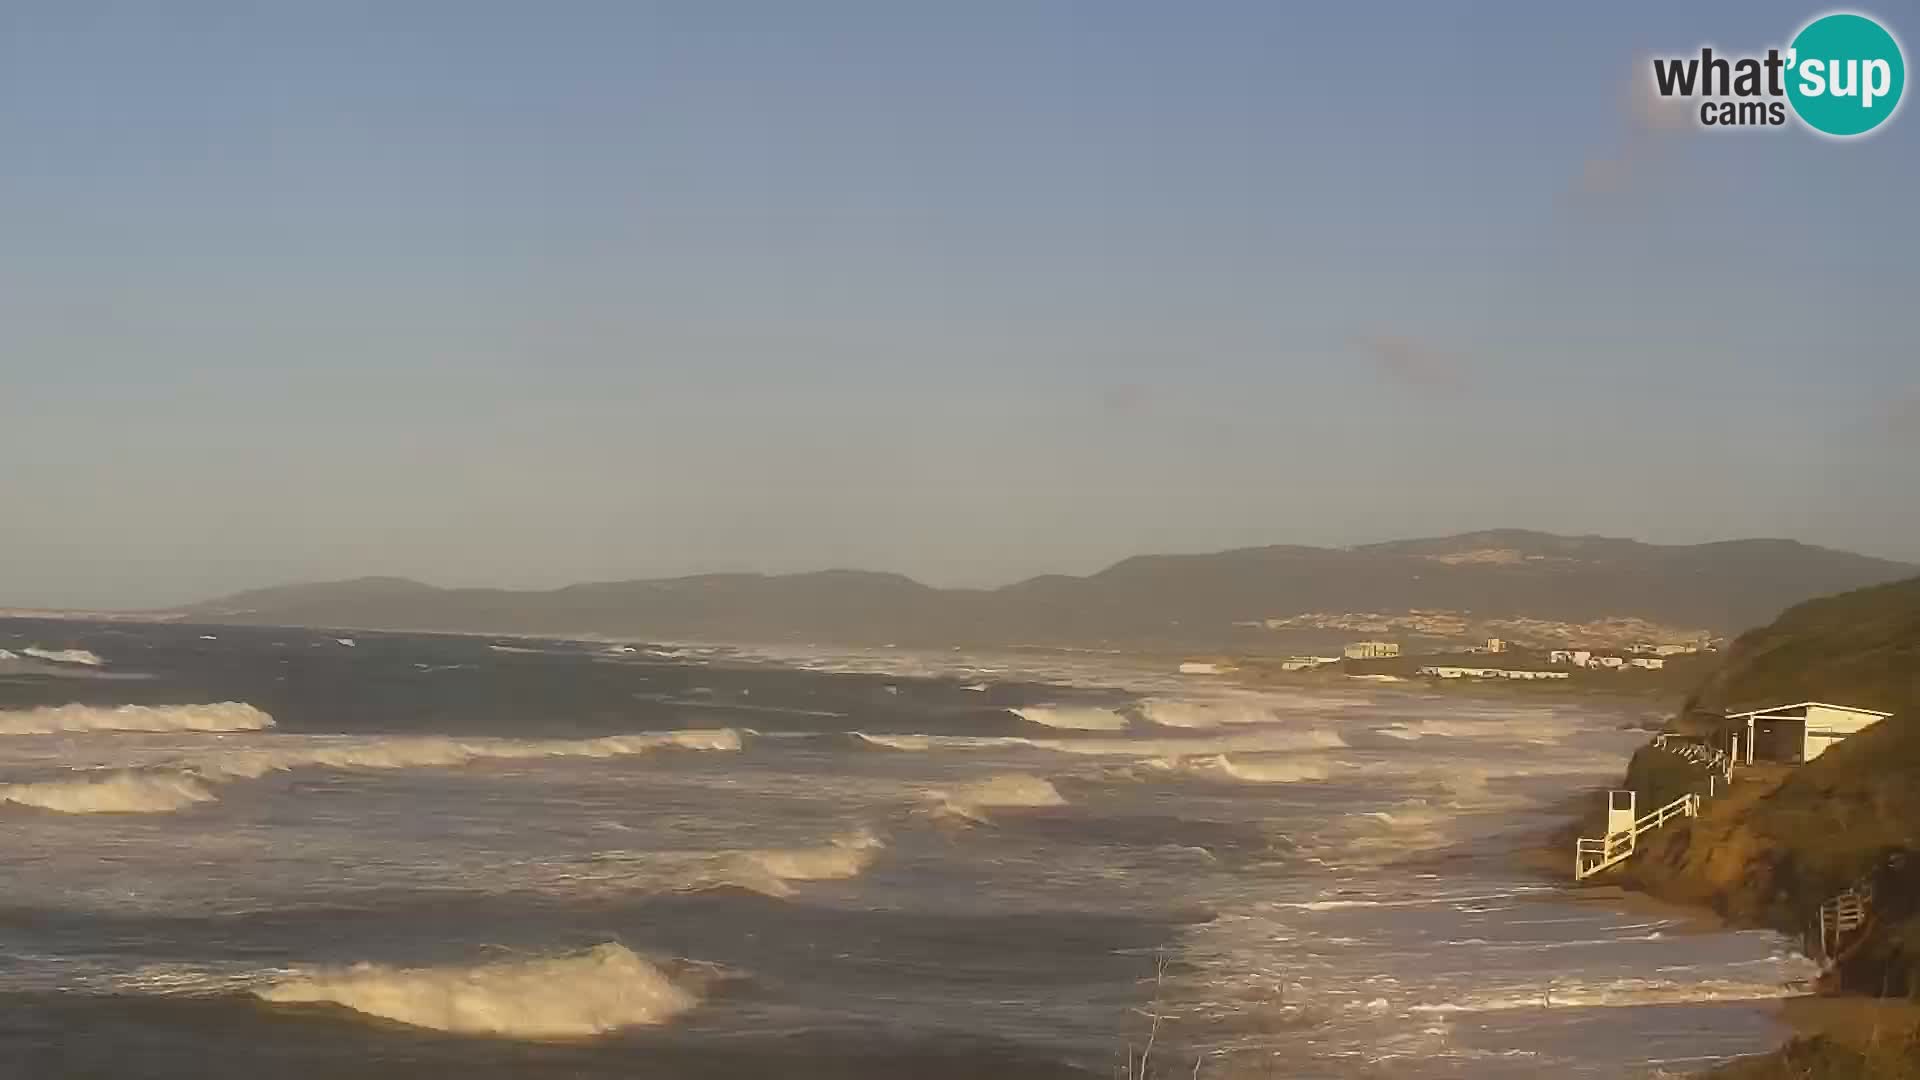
(1711, 758)
(1842, 914)
(1590, 856)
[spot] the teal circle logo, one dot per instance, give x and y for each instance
(1845, 74)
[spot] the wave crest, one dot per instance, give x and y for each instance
(1252, 741)
(218, 716)
(1011, 791)
(604, 989)
(187, 782)
(771, 870)
(118, 792)
(65, 656)
(1285, 771)
(438, 751)
(1197, 714)
(1073, 718)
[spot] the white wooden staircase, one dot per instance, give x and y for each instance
(1840, 917)
(1624, 830)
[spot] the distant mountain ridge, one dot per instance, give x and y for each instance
(1173, 600)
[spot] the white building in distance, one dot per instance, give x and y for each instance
(1371, 650)
(1449, 671)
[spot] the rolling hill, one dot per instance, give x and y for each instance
(1150, 600)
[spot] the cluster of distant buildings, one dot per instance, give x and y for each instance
(1559, 663)
(1454, 671)
(1586, 658)
(1645, 656)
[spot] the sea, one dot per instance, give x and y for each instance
(264, 852)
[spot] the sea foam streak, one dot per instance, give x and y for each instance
(219, 716)
(603, 989)
(1619, 992)
(1073, 718)
(117, 792)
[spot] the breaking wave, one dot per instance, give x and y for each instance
(187, 782)
(117, 792)
(1195, 714)
(1262, 739)
(1505, 728)
(941, 742)
(1073, 718)
(1286, 771)
(770, 871)
(604, 989)
(1011, 791)
(220, 716)
(1165, 753)
(439, 751)
(65, 656)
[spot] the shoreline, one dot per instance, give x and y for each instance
(1827, 1033)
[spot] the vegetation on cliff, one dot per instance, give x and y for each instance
(1783, 840)
(1858, 648)
(1825, 1058)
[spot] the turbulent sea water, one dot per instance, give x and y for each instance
(245, 853)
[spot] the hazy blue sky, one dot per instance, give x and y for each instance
(532, 293)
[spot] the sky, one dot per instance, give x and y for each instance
(525, 294)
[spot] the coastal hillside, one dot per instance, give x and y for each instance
(1503, 582)
(1777, 845)
(1861, 647)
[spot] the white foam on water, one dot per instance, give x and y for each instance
(185, 781)
(942, 742)
(603, 989)
(1009, 791)
(772, 870)
(1261, 739)
(218, 716)
(1206, 714)
(1614, 993)
(1521, 727)
(1273, 771)
(65, 656)
(428, 751)
(120, 791)
(1073, 718)
(1422, 901)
